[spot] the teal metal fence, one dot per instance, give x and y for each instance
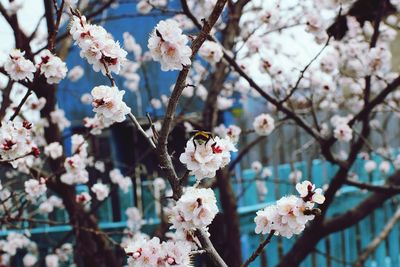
(339, 249)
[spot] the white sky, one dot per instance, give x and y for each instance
(28, 17)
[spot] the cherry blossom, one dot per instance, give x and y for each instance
(123, 182)
(52, 260)
(167, 45)
(203, 160)
(384, 167)
(131, 45)
(101, 190)
(53, 150)
(143, 252)
(75, 73)
(135, 220)
(15, 140)
(18, 67)
(52, 67)
(29, 260)
(290, 214)
(195, 209)
(370, 166)
(308, 192)
(75, 170)
(343, 132)
(97, 46)
(264, 124)
(256, 166)
(35, 188)
(108, 104)
(211, 51)
(58, 117)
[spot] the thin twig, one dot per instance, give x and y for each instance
(377, 240)
(260, 248)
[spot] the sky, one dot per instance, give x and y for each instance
(28, 17)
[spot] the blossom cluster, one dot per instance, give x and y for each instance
(290, 214)
(16, 140)
(264, 124)
(153, 253)
(48, 205)
(135, 220)
(18, 67)
(35, 188)
(232, 132)
(203, 159)
(97, 46)
(124, 183)
(101, 191)
(169, 46)
(75, 165)
(195, 209)
(52, 67)
(61, 256)
(109, 107)
(211, 52)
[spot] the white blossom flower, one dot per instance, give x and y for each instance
(29, 260)
(167, 45)
(18, 67)
(232, 132)
(308, 192)
(343, 132)
(256, 166)
(135, 219)
(97, 46)
(75, 73)
(52, 67)
(131, 45)
(147, 253)
(384, 167)
(195, 209)
(53, 150)
(58, 117)
(52, 260)
(100, 166)
(290, 214)
(370, 166)
(95, 124)
(265, 220)
(35, 188)
(86, 98)
(264, 124)
(266, 172)
(203, 160)
(108, 104)
(101, 190)
(75, 170)
(143, 7)
(211, 51)
(16, 140)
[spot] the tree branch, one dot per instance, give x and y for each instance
(359, 212)
(260, 248)
(377, 240)
(374, 188)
